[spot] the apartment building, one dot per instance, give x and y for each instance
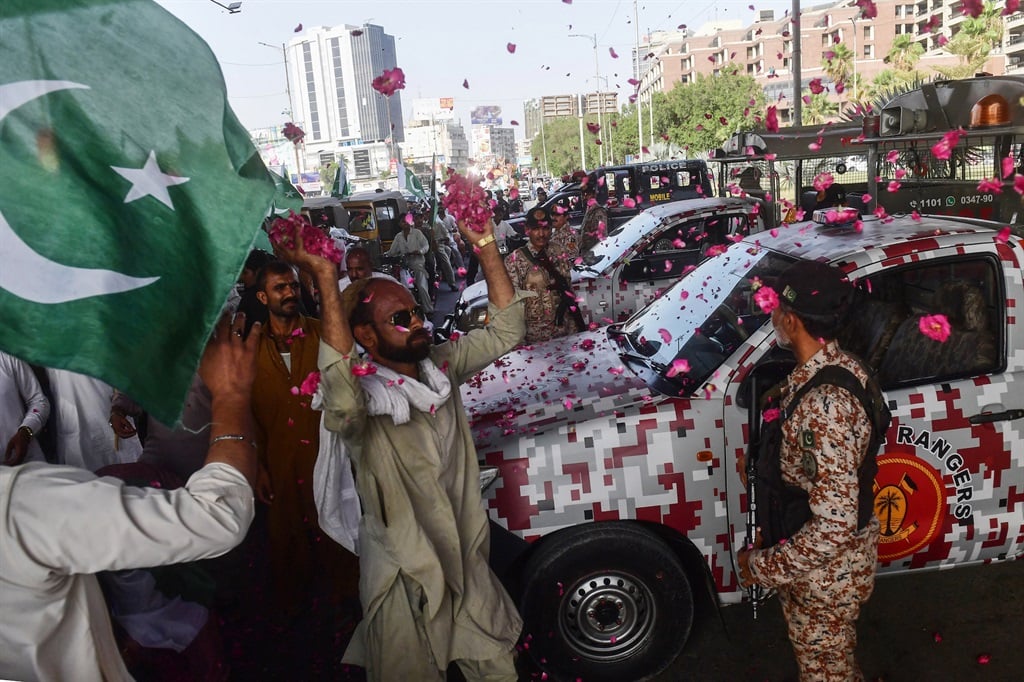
(764, 49)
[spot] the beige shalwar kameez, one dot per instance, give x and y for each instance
(428, 594)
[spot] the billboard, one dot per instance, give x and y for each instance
(485, 115)
(433, 109)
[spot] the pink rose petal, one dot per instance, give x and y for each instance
(935, 327)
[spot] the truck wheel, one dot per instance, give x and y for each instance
(605, 602)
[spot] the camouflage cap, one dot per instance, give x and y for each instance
(537, 217)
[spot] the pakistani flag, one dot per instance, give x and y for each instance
(409, 181)
(286, 197)
(129, 193)
(340, 188)
(433, 189)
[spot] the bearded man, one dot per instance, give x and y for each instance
(429, 597)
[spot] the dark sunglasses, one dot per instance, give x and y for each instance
(403, 318)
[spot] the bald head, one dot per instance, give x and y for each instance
(358, 264)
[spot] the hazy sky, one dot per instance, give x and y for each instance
(442, 42)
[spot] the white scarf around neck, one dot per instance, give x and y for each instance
(334, 486)
(391, 393)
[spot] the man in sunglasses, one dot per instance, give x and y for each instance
(428, 594)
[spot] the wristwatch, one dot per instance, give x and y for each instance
(31, 434)
(485, 241)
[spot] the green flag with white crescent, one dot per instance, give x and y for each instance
(408, 180)
(340, 187)
(286, 197)
(129, 193)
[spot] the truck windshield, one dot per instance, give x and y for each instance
(617, 241)
(678, 342)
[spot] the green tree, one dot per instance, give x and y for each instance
(625, 142)
(690, 120)
(698, 117)
(840, 66)
(562, 140)
(818, 109)
(904, 54)
(974, 42)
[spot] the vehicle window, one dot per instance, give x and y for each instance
(609, 181)
(959, 295)
(679, 237)
(703, 329)
(360, 220)
(719, 229)
(388, 220)
(620, 239)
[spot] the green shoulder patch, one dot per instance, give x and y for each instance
(809, 465)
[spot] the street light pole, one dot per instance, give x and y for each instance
(636, 69)
(543, 143)
(597, 87)
(583, 153)
(287, 92)
(798, 84)
(856, 99)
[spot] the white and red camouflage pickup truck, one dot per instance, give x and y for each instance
(622, 471)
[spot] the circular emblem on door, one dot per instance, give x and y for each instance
(909, 504)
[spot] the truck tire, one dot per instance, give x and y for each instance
(605, 602)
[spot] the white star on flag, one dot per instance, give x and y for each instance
(149, 181)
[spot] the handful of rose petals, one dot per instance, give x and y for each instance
(465, 200)
(284, 230)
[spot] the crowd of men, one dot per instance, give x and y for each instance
(328, 361)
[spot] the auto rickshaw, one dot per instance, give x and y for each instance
(375, 218)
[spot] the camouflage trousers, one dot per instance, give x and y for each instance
(821, 611)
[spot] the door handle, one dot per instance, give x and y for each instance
(989, 417)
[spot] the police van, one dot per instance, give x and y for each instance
(630, 188)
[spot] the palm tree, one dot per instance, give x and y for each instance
(974, 42)
(840, 67)
(819, 109)
(905, 53)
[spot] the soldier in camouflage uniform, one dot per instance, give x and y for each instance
(543, 269)
(826, 570)
(595, 221)
(564, 243)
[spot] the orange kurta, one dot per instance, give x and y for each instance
(304, 562)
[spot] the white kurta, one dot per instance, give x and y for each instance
(59, 525)
(81, 416)
(22, 403)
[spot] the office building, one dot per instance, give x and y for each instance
(330, 71)
(557, 106)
